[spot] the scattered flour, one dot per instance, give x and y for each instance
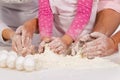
(50, 60)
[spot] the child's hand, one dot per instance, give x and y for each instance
(42, 44)
(60, 45)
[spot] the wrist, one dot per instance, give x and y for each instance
(115, 43)
(116, 39)
(67, 39)
(7, 34)
(46, 39)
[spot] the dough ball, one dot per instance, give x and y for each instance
(36, 57)
(3, 59)
(28, 56)
(11, 61)
(38, 63)
(4, 51)
(19, 63)
(12, 53)
(29, 63)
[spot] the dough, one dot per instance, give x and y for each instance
(29, 63)
(12, 53)
(11, 61)
(3, 59)
(19, 63)
(50, 60)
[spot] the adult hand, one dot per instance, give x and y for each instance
(100, 46)
(76, 47)
(21, 46)
(22, 40)
(78, 44)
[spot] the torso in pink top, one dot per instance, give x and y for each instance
(79, 12)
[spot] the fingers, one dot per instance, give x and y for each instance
(96, 34)
(85, 38)
(41, 47)
(23, 52)
(19, 42)
(59, 49)
(94, 50)
(24, 38)
(73, 51)
(28, 50)
(31, 50)
(16, 43)
(27, 42)
(19, 30)
(55, 43)
(58, 46)
(14, 46)
(91, 43)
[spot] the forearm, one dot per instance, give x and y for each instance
(107, 21)
(116, 39)
(67, 39)
(81, 18)
(45, 19)
(34, 23)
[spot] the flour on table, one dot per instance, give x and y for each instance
(50, 60)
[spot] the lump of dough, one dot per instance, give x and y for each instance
(4, 51)
(12, 53)
(19, 63)
(11, 61)
(38, 63)
(29, 63)
(3, 58)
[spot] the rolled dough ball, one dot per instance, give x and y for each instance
(12, 53)
(3, 59)
(38, 63)
(19, 63)
(4, 51)
(11, 61)
(29, 63)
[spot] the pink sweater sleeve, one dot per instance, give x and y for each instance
(81, 19)
(45, 18)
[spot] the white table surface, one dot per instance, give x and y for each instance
(93, 74)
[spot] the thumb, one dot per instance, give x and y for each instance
(19, 30)
(96, 34)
